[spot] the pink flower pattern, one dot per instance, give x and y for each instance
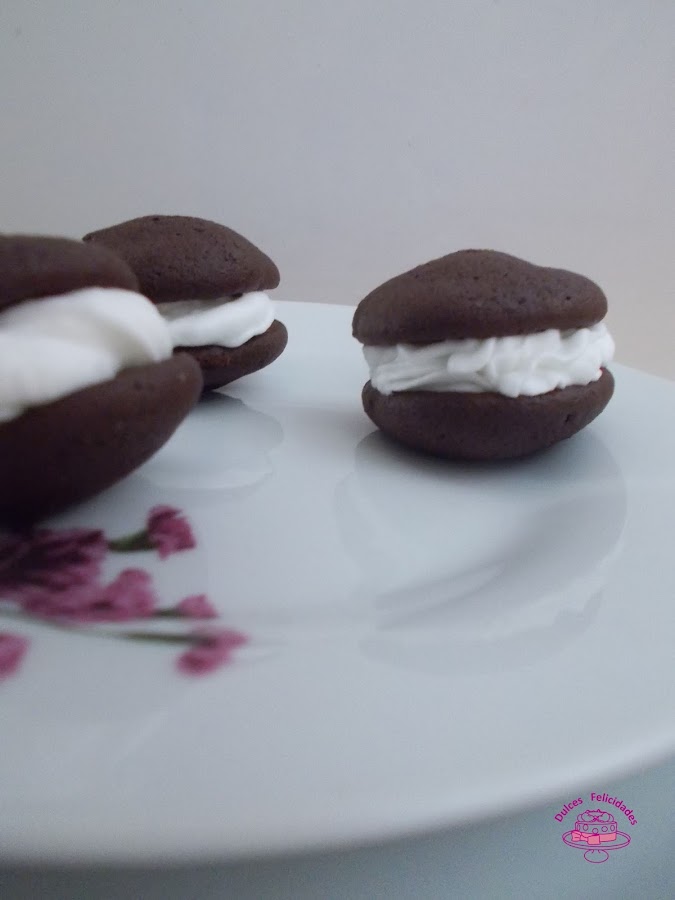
(211, 650)
(129, 596)
(169, 531)
(49, 562)
(13, 648)
(55, 575)
(197, 606)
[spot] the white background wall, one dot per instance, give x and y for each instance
(352, 139)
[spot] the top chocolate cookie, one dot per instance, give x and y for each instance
(185, 258)
(476, 294)
(33, 266)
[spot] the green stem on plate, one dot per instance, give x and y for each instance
(131, 543)
(87, 629)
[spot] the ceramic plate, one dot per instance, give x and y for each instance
(395, 643)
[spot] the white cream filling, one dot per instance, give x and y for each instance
(54, 346)
(522, 365)
(226, 323)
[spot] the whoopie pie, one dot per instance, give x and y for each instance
(210, 284)
(480, 355)
(89, 388)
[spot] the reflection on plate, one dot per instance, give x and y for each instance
(428, 643)
(226, 449)
(462, 577)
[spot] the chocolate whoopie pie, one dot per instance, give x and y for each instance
(480, 355)
(89, 388)
(210, 284)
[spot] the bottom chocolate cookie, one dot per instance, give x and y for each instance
(56, 455)
(221, 365)
(486, 426)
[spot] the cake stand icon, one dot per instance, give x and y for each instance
(595, 832)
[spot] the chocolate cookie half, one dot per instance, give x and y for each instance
(89, 389)
(210, 284)
(480, 355)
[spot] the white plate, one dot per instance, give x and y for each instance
(429, 644)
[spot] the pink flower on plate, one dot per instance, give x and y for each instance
(13, 648)
(210, 650)
(197, 606)
(169, 531)
(48, 562)
(129, 596)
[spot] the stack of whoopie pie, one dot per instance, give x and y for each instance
(89, 388)
(480, 355)
(210, 284)
(106, 344)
